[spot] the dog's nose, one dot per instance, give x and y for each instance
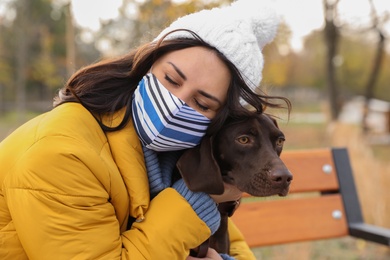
(281, 177)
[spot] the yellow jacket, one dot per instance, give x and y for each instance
(67, 190)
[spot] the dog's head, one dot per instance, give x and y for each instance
(244, 153)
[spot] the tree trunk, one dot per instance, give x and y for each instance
(373, 77)
(370, 86)
(2, 94)
(70, 42)
(21, 57)
(331, 40)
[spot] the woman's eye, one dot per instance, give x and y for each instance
(167, 78)
(200, 106)
(243, 139)
(280, 141)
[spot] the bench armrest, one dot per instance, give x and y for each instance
(370, 233)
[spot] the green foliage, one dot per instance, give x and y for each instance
(151, 18)
(45, 59)
(383, 85)
(307, 68)
(303, 69)
(277, 56)
(5, 73)
(357, 60)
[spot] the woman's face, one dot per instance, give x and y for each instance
(197, 76)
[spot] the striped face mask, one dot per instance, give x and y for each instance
(163, 121)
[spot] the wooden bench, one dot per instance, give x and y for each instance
(323, 203)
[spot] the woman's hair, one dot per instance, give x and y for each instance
(108, 85)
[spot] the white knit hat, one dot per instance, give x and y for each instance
(239, 31)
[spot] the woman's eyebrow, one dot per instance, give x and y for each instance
(205, 94)
(181, 74)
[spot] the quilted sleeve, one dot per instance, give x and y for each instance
(60, 206)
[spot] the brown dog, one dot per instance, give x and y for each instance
(244, 153)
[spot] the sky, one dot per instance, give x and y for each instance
(303, 16)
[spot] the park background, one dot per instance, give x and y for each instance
(331, 58)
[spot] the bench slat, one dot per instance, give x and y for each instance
(308, 219)
(307, 168)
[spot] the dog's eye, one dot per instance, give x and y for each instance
(280, 141)
(243, 139)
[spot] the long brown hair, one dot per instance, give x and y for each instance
(108, 85)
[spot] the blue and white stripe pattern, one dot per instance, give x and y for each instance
(163, 121)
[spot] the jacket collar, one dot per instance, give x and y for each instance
(127, 152)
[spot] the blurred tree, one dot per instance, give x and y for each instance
(140, 21)
(278, 68)
(44, 70)
(382, 89)
(5, 68)
(331, 33)
(70, 40)
(48, 53)
(42, 48)
(22, 35)
(377, 25)
(34, 55)
(27, 38)
(308, 65)
(353, 67)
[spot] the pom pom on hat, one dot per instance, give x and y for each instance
(239, 31)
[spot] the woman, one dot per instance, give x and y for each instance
(91, 178)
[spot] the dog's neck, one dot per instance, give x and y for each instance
(228, 208)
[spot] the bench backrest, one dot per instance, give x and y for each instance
(322, 203)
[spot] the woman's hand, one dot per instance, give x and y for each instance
(211, 255)
(231, 193)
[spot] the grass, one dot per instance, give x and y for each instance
(10, 121)
(381, 152)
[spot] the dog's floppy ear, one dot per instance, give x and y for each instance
(200, 170)
(273, 120)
